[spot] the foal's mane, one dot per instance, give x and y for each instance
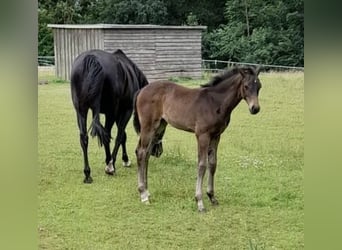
(226, 75)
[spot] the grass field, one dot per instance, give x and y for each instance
(259, 181)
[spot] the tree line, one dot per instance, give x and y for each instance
(256, 31)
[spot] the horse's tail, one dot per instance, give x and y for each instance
(157, 145)
(91, 95)
(98, 130)
(136, 122)
(93, 81)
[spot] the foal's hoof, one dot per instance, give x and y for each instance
(144, 197)
(147, 202)
(214, 203)
(212, 199)
(88, 180)
(157, 149)
(126, 164)
(202, 210)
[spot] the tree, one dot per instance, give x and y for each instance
(45, 37)
(135, 12)
(257, 31)
(54, 11)
(260, 31)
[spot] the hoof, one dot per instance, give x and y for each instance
(109, 172)
(147, 202)
(212, 199)
(214, 202)
(127, 164)
(202, 210)
(157, 149)
(144, 197)
(109, 169)
(88, 180)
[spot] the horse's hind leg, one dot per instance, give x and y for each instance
(212, 160)
(125, 160)
(121, 138)
(203, 145)
(110, 168)
(82, 124)
(143, 155)
(157, 144)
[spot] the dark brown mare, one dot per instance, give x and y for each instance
(204, 111)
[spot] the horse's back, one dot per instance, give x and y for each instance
(168, 90)
(170, 101)
(106, 59)
(116, 67)
(90, 78)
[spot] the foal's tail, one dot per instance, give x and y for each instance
(157, 145)
(136, 122)
(91, 95)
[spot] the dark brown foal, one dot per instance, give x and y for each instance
(204, 111)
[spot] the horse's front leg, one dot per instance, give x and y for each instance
(203, 145)
(212, 160)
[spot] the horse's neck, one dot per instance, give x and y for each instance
(227, 95)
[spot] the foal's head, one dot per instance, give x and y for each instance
(250, 87)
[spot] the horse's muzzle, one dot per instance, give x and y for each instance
(254, 109)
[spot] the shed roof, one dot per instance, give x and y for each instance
(125, 26)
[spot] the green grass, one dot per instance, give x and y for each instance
(259, 181)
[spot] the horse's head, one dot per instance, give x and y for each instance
(250, 87)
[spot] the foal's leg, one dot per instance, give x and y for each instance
(82, 124)
(203, 145)
(212, 160)
(120, 136)
(110, 168)
(157, 144)
(143, 155)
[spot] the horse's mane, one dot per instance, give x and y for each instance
(121, 56)
(226, 75)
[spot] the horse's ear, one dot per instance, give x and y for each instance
(246, 71)
(257, 70)
(243, 71)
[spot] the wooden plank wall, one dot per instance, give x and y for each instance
(69, 43)
(160, 53)
(178, 53)
(138, 45)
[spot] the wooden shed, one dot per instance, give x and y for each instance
(161, 52)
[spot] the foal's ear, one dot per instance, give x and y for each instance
(257, 70)
(243, 71)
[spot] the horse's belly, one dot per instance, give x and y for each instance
(179, 124)
(179, 114)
